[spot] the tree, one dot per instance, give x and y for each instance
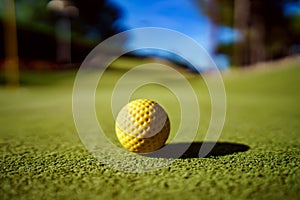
(97, 20)
(265, 28)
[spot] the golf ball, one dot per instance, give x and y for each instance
(142, 126)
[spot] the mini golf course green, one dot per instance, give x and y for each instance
(256, 157)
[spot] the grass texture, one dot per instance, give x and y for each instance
(256, 157)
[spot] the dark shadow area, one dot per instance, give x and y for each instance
(187, 150)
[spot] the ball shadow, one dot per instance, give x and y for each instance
(219, 149)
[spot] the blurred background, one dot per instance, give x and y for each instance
(59, 34)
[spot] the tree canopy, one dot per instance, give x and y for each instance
(267, 29)
(96, 20)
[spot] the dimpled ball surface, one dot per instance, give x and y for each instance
(142, 126)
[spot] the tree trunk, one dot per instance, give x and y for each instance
(257, 40)
(241, 22)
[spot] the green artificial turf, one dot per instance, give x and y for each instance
(257, 156)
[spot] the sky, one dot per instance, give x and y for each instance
(183, 16)
(292, 8)
(179, 15)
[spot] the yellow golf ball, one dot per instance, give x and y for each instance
(142, 126)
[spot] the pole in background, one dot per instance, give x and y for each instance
(64, 10)
(11, 65)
